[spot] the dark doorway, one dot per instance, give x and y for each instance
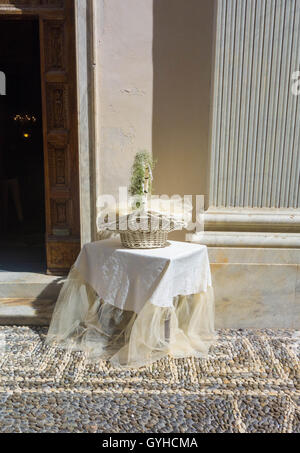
(22, 205)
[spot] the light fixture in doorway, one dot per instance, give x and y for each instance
(25, 118)
(25, 122)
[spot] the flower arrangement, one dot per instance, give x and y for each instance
(141, 174)
(146, 221)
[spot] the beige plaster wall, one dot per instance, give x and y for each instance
(182, 58)
(182, 66)
(125, 30)
(155, 71)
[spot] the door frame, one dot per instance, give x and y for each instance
(84, 72)
(88, 95)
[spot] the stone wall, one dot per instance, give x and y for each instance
(125, 35)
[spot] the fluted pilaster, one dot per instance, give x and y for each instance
(255, 161)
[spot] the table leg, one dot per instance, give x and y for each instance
(167, 330)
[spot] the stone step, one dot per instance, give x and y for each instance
(29, 285)
(26, 311)
(28, 298)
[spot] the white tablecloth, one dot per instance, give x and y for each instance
(128, 278)
(136, 306)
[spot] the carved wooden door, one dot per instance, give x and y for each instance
(58, 70)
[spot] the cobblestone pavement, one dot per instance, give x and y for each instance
(249, 383)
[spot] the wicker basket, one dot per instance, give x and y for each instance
(148, 235)
(144, 239)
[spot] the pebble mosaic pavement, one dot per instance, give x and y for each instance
(249, 383)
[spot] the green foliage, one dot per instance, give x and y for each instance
(142, 161)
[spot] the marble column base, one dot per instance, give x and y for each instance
(256, 277)
(256, 287)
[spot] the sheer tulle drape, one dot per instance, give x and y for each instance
(82, 321)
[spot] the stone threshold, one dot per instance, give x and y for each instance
(26, 311)
(28, 298)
